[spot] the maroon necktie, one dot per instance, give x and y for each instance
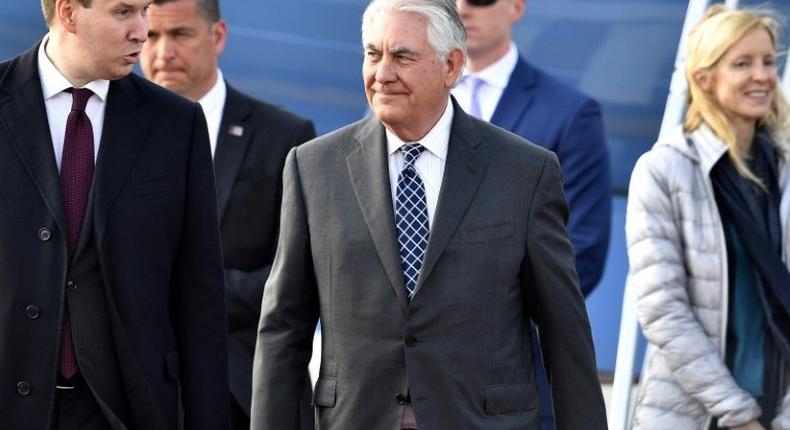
(76, 175)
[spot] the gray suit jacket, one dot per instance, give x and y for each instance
(498, 256)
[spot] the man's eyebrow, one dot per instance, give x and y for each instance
(401, 50)
(371, 47)
(179, 29)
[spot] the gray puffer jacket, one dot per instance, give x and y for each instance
(678, 268)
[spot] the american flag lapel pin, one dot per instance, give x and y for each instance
(236, 130)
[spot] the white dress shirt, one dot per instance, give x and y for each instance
(58, 103)
(213, 104)
(495, 78)
(430, 164)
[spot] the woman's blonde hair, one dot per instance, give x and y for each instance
(708, 41)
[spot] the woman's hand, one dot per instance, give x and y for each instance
(751, 425)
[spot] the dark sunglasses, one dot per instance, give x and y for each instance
(480, 2)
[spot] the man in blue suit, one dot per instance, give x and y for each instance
(500, 86)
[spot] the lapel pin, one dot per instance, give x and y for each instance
(236, 130)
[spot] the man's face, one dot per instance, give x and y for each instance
(182, 48)
(488, 28)
(109, 36)
(406, 85)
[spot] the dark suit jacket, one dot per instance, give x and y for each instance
(157, 239)
(498, 257)
(254, 139)
(545, 111)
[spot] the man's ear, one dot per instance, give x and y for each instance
(65, 14)
(455, 64)
(219, 31)
(517, 9)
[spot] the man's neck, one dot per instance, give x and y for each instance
(478, 61)
(57, 52)
(415, 133)
(204, 89)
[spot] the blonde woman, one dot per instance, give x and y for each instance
(708, 230)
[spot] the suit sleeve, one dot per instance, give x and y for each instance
(289, 314)
(557, 307)
(584, 159)
(244, 289)
(198, 297)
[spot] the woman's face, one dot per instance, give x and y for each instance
(744, 80)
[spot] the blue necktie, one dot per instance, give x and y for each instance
(411, 217)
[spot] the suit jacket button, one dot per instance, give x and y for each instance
(401, 399)
(44, 234)
(24, 388)
(71, 285)
(411, 341)
(33, 311)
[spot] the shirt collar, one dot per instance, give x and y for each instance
(53, 82)
(215, 97)
(436, 141)
(498, 74)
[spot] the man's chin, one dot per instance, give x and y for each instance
(119, 72)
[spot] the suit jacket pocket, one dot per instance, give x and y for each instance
(152, 184)
(508, 398)
(171, 365)
(325, 392)
(487, 233)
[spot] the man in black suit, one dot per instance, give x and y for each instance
(112, 314)
(250, 140)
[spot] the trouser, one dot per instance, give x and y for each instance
(77, 409)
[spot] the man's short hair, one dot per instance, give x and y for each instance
(445, 30)
(48, 7)
(209, 9)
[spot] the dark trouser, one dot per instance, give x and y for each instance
(544, 390)
(76, 409)
(239, 420)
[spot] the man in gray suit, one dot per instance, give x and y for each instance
(425, 241)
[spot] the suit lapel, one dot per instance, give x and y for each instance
(234, 136)
(463, 172)
(369, 171)
(23, 117)
(125, 127)
(516, 98)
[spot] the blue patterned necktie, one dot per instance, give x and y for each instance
(411, 217)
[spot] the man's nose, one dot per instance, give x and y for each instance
(386, 71)
(139, 30)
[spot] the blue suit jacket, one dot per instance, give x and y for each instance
(558, 117)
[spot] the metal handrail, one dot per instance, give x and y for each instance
(620, 410)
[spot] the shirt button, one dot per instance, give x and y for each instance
(44, 234)
(33, 311)
(71, 285)
(24, 388)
